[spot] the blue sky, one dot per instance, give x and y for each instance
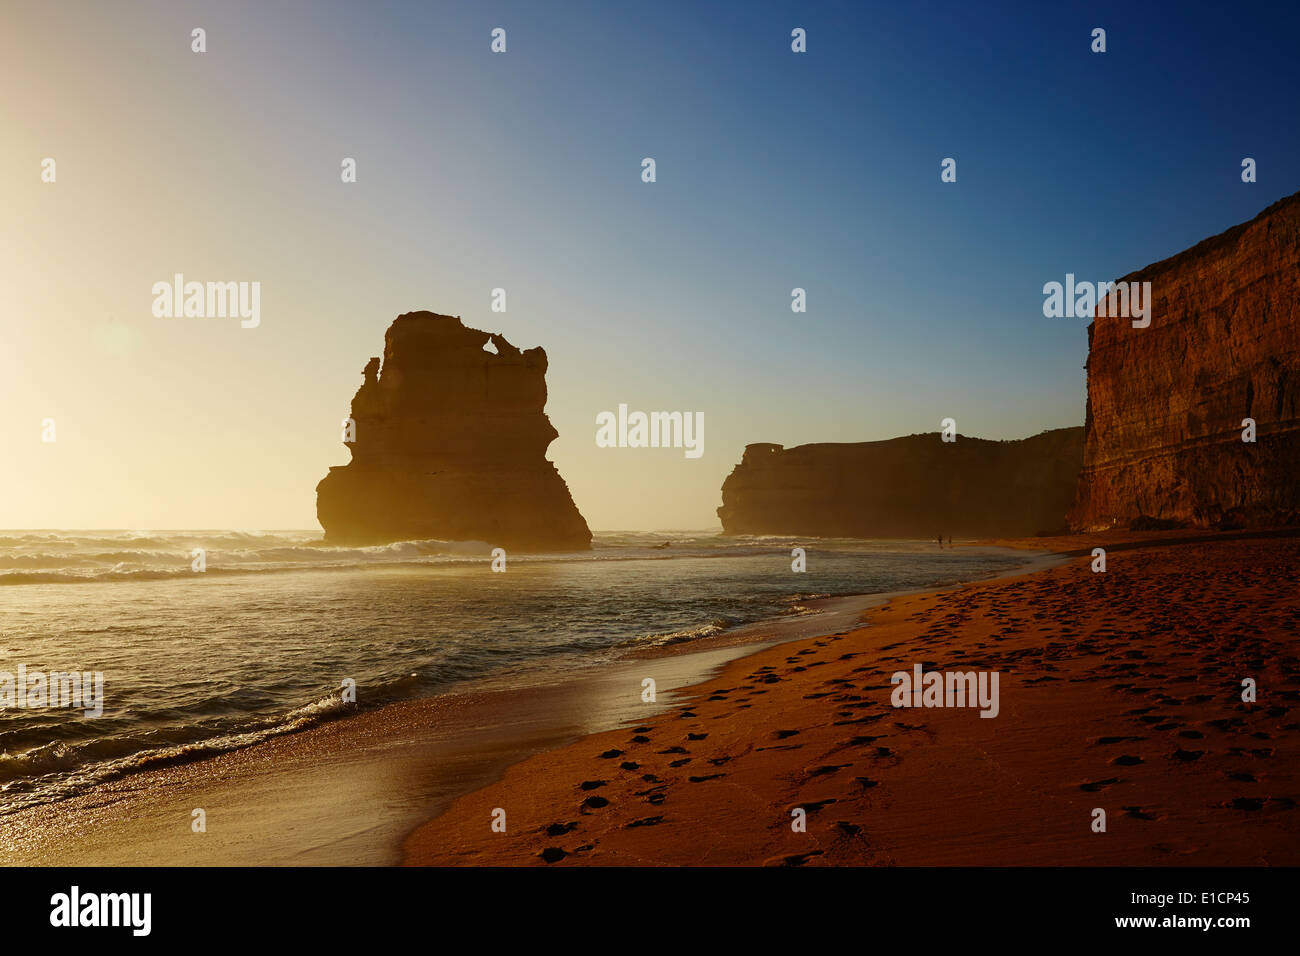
(522, 170)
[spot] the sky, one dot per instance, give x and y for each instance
(522, 170)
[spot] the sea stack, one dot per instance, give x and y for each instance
(918, 486)
(450, 444)
(1168, 404)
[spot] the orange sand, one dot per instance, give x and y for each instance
(1119, 691)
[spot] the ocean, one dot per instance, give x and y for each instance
(261, 642)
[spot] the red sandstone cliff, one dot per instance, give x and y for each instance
(1166, 402)
(912, 487)
(451, 444)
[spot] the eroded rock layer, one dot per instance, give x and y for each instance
(450, 444)
(1166, 403)
(913, 487)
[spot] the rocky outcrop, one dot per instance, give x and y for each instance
(913, 487)
(1166, 403)
(450, 443)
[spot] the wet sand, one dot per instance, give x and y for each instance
(1119, 691)
(343, 793)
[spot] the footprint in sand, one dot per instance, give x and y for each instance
(1097, 785)
(592, 784)
(849, 721)
(1245, 803)
(1127, 760)
(819, 804)
(796, 859)
(559, 829)
(1226, 723)
(594, 803)
(645, 822)
(826, 769)
(1137, 813)
(552, 854)
(863, 740)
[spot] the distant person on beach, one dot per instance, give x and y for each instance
(950, 541)
(940, 540)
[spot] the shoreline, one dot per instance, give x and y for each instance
(1121, 694)
(291, 799)
(423, 771)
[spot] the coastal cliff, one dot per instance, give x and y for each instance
(912, 487)
(1166, 403)
(450, 443)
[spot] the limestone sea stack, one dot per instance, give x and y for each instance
(917, 486)
(1167, 403)
(450, 444)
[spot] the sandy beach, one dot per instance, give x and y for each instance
(343, 793)
(349, 791)
(1120, 691)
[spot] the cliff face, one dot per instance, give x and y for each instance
(913, 487)
(451, 444)
(1166, 402)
